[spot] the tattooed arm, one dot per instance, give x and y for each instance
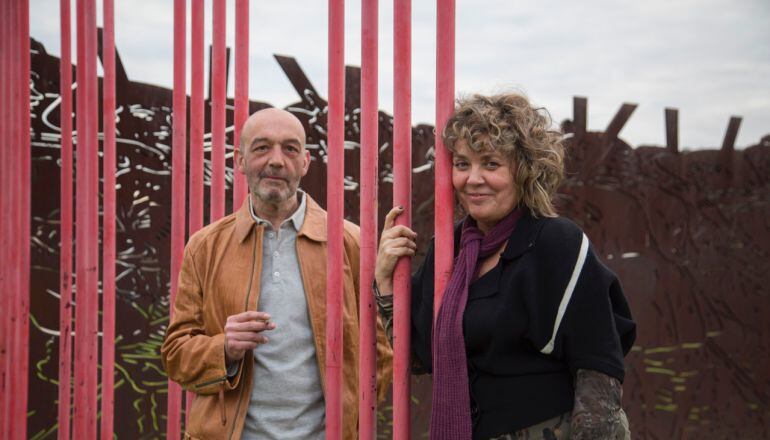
(597, 414)
(385, 310)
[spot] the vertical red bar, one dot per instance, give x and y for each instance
(334, 201)
(87, 224)
(12, 202)
(240, 188)
(178, 177)
(6, 168)
(21, 186)
(367, 403)
(65, 248)
(108, 221)
(402, 196)
(197, 121)
(218, 92)
(444, 201)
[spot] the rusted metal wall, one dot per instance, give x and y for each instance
(688, 233)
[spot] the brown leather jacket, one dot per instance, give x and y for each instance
(220, 277)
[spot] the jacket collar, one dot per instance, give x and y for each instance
(314, 226)
(524, 235)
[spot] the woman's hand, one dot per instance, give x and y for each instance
(395, 242)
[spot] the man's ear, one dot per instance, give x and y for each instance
(307, 162)
(239, 159)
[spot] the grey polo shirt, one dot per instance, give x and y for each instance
(287, 400)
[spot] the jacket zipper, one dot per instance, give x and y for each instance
(246, 308)
(310, 302)
(210, 382)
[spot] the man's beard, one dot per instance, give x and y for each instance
(271, 195)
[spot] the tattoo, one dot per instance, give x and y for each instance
(597, 413)
(385, 310)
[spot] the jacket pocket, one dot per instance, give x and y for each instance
(210, 386)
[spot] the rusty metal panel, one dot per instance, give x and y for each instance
(687, 232)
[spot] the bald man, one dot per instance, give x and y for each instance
(249, 324)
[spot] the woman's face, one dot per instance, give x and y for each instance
(484, 185)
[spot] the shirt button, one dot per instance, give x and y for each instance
(275, 254)
(276, 273)
(270, 234)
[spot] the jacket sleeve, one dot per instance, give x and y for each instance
(578, 311)
(384, 362)
(192, 358)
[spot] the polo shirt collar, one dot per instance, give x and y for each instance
(296, 219)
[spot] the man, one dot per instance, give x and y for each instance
(249, 323)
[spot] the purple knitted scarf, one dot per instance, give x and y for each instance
(451, 413)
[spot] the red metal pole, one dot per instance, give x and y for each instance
(367, 403)
(240, 187)
(65, 249)
(6, 204)
(87, 224)
(108, 222)
(402, 196)
(13, 219)
(21, 162)
(444, 201)
(218, 92)
(178, 177)
(197, 119)
(335, 193)
(197, 122)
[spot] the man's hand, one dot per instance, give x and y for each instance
(243, 332)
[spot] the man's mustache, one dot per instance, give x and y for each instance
(264, 175)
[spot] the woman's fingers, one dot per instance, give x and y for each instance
(400, 252)
(402, 242)
(398, 231)
(390, 219)
(396, 244)
(396, 241)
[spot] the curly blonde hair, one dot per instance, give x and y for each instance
(508, 123)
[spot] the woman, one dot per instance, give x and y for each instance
(531, 334)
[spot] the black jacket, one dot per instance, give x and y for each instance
(521, 364)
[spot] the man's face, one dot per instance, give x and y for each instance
(273, 156)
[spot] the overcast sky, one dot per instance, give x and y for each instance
(708, 58)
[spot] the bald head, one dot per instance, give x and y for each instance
(270, 120)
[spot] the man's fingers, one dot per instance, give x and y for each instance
(250, 315)
(249, 326)
(238, 348)
(249, 337)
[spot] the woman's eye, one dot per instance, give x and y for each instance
(492, 165)
(460, 165)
